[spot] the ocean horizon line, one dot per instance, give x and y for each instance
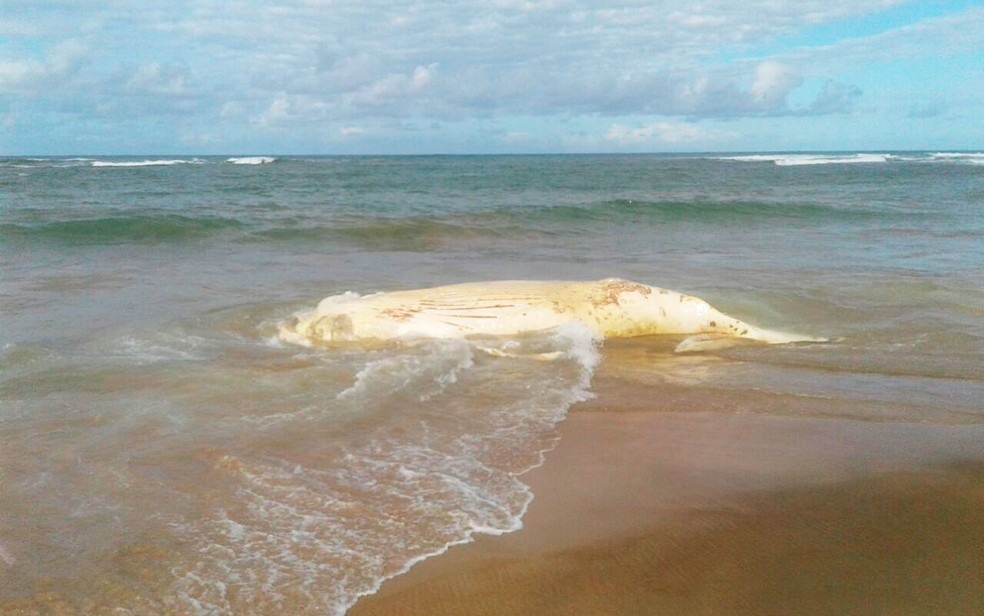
(686, 153)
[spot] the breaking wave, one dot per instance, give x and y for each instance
(793, 160)
(976, 158)
(146, 163)
(251, 160)
(444, 434)
(797, 160)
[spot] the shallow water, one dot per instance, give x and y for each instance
(162, 450)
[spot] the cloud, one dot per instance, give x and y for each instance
(289, 109)
(33, 76)
(934, 37)
(199, 140)
(296, 68)
(927, 110)
(347, 73)
(159, 80)
(773, 83)
(737, 91)
(668, 133)
(515, 56)
(231, 111)
(394, 87)
(836, 98)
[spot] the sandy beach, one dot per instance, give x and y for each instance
(646, 507)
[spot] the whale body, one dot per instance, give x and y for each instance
(610, 308)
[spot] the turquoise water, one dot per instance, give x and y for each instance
(163, 451)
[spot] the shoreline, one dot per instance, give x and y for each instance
(646, 509)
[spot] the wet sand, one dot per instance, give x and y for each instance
(647, 508)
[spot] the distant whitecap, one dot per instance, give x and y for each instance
(146, 163)
(792, 160)
(251, 160)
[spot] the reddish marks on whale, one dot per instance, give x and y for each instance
(400, 313)
(610, 292)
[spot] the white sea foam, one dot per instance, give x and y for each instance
(444, 436)
(6, 557)
(975, 158)
(792, 160)
(163, 347)
(146, 163)
(429, 375)
(251, 160)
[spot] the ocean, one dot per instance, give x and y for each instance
(163, 450)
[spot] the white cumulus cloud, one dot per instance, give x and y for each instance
(395, 87)
(32, 75)
(670, 133)
(773, 83)
(160, 80)
(648, 71)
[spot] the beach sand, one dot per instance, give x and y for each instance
(651, 504)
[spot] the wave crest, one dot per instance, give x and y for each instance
(795, 160)
(251, 160)
(146, 163)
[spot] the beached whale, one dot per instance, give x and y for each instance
(610, 308)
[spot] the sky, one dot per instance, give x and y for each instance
(489, 76)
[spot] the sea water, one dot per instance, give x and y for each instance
(163, 451)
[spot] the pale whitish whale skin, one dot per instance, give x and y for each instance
(610, 308)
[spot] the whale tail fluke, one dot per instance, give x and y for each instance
(714, 341)
(701, 343)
